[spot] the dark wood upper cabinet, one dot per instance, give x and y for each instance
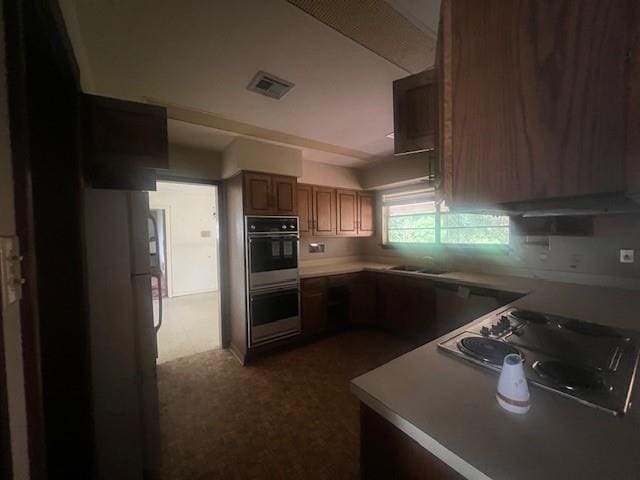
(415, 112)
(257, 194)
(266, 194)
(633, 105)
(534, 98)
(285, 195)
(324, 211)
(305, 207)
(123, 142)
(366, 214)
(347, 208)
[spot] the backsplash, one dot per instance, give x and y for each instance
(333, 247)
(593, 260)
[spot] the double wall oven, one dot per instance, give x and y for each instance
(273, 281)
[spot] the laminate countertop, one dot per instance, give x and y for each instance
(449, 407)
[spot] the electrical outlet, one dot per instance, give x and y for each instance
(626, 256)
(10, 273)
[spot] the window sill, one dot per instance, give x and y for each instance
(502, 250)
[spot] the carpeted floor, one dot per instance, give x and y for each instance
(290, 416)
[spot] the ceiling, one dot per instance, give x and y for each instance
(199, 54)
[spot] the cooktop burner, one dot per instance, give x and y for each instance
(591, 329)
(569, 376)
(487, 349)
(530, 316)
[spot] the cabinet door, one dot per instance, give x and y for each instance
(363, 299)
(324, 211)
(305, 207)
(347, 208)
(534, 99)
(125, 134)
(284, 195)
(366, 212)
(391, 293)
(419, 318)
(314, 306)
(415, 112)
(257, 194)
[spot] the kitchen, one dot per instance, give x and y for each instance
(398, 217)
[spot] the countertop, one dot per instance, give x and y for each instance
(448, 406)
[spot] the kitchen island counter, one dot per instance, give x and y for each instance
(448, 406)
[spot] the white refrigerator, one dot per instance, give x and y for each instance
(123, 333)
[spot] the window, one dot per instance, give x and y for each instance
(419, 218)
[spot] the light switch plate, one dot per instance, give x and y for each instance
(10, 271)
(626, 256)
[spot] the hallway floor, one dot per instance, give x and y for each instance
(289, 416)
(191, 324)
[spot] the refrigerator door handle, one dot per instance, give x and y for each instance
(156, 272)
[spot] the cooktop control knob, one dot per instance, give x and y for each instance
(484, 331)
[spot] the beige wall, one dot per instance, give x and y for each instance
(395, 171)
(11, 314)
(191, 236)
(248, 154)
(329, 175)
(196, 163)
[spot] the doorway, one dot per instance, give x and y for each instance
(186, 218)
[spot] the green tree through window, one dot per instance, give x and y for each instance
(433, 223)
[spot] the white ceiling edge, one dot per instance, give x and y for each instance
(214, 140)
(419, 12)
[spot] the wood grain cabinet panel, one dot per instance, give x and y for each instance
(257, 194)
(125, 133)
(284, 195)
(266, 194)
(535, 98)
(366, 214)
(305, 207)
(324, 211)
(386, 452)
(347, 209)
(415, 112)
(314, 306)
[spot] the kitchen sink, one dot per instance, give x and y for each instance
(414, 268)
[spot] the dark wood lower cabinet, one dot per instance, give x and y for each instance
(386, 452)
(406, 307)
(314, 306)
(401, 305)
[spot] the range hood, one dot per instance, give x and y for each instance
(601, 204)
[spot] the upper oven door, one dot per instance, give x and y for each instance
(273, 260)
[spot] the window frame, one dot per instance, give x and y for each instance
(431, 196)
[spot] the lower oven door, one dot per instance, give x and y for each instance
(274, 313)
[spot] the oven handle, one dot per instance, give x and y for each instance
(267, 290)
(273, 237)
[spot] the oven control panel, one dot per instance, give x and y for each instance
(272, 225)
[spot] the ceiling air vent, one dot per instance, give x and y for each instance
(270, 85)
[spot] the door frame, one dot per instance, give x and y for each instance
(37, 41)
(167, 246)
(223, 260)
